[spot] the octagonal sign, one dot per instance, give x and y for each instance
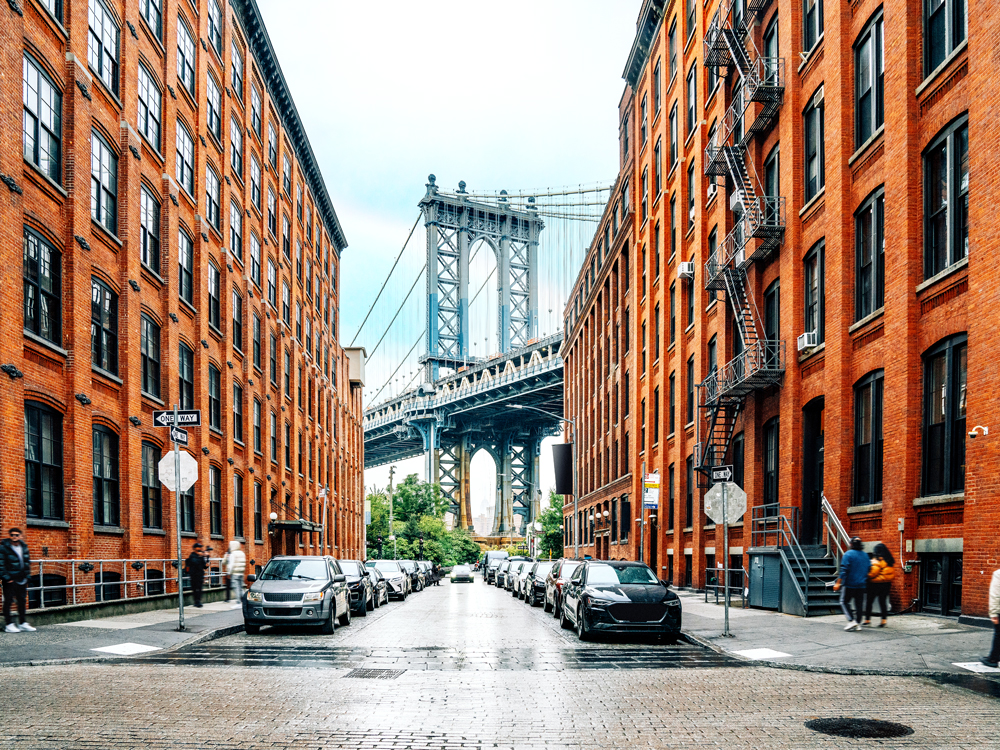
(736, 503)
(189, 472)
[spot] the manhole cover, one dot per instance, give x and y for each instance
(375, 674)
(843, 726)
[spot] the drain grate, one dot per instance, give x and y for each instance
(375, 674)
(843, 726)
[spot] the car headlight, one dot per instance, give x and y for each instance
(673, 602)
(313, 596)
(600, 602)
(255, 596)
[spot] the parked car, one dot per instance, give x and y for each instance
(359, 584)
(533, 587)
(462, 574)
(520, 573)
(430, 577)
(490, 561)
(416, 574)
(380, 588)
(500, 578)
(515, 566)
(398, 580)
(619, 597)
(297, 590)
(556, 579)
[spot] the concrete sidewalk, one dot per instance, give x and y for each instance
(911, 644)
(118, 636)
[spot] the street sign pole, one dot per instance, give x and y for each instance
(177, 524)
(725, 558)
(642, 517)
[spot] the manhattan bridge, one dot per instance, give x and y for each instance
(451, 371)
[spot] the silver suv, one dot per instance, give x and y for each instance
(297, 590)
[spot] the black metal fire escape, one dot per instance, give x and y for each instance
(758, 223)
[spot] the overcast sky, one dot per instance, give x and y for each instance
(519, 94)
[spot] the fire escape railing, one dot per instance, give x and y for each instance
(758, 223)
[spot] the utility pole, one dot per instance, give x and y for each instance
(392, 535)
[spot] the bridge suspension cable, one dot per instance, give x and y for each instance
(399, 310)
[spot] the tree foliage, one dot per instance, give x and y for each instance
(550, 541)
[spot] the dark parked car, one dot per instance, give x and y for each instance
(359, 584)
(555, 581)
(619, 597)
(490, 562)
(380, 589)
(297, 590)
(430, 575)
(501, 573)
(416, 574)
(512, 571)
(397, 579)
(533, 588)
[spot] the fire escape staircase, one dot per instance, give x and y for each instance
(758, 224)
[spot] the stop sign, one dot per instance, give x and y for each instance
(189, 471)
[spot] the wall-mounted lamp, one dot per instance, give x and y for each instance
(975, 431)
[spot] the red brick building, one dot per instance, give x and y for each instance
(859, 218)
(168, 239)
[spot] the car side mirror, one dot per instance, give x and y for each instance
(366, 573)
(666, 585)
(340, 578)
(251, 578)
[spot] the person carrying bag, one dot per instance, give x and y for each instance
(880, 577)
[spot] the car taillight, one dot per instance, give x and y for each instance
(559, 583)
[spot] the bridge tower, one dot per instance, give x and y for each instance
(454, 222)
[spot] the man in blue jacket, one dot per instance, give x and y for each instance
(854, 567)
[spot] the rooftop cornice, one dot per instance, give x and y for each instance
(649, 21)
(260, 44)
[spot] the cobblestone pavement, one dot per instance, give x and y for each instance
(142, 703)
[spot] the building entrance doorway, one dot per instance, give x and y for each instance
(811, 530)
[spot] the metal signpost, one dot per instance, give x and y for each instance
(178, 473)
(725, 503)
(651, 500)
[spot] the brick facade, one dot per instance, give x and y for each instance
(58, 374)
(945, 523)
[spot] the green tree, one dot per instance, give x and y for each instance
(413, 499)
(464, 549)
(550, 541)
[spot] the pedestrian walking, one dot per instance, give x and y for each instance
(994, 612)
(880, 576)
(194, 566)
(15, 567)
(235, 565)
(854, 567)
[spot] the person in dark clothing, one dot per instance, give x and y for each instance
(195, 566)
(15, 567)
(854, 567)
(879, 583)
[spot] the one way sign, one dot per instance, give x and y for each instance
(190, 418)
(722, 473)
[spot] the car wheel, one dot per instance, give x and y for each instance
(370, 604)
(345, 619)
(251, 628)
(546, 605)
(563, 620)
(363, 610)
(581, 625)
(329, 625)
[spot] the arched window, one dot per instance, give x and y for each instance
(106, 491)
(43, 461)
(944, 416)
(868, 394)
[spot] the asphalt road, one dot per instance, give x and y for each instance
(464, 666)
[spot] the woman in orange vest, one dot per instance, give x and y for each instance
(879, 582)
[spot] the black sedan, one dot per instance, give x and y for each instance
(619, 597)
(555, 581)
(359, 584)
(533, 589)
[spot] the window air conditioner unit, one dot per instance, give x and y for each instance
(736, 201)
(685, 270)
(808, 340)
(712, 190)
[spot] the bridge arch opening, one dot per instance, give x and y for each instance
(483, 300)
(485, 490)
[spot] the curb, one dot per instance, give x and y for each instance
(209, 635)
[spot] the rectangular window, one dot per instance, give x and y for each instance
(185, 373)
(42, 272)
(286, 305)
(185, 266)
(772, 323)
(673, 313)
(149, 346)
(255, 260)
(215, 499)
(656, 89)
(214, 397)
(671, 497)
(274, 359)
(274, 437)
(771, 462)
(945, 397)
(238, 506)
(657, 171)
(690, 391)
(691, 193)
(213, 296)
(258, 515)
(868, 439)
(288, 374)
(184, 171)
(691, 294)
(272, 145)
(43, 453)
(946, 199)
(656, 415)
(288, 446)
(944, 30)
(272, 283)
(255, 191)
(237, 70)
(692, 7)
(236, 147)
(149, 230)
(215, 25)
(42, 125)
(256, 426)
(103, 326)
(286, 237)
(237, 412)
(643, 122)
(713, 356)
(286, 175)
(814, 292)
(103, 183)
(272, 213)
(869, 278)
(673, 135)
(815, 176)
(237, 321)
(672, 405)
(187, 510)
(673, 50)
(236, 230)
(212, 197)
(105, 463)
(150, 102)
(692, 101)
(656, 333)
(103, 44)
(152, 508)
(689, 492)
(645, 195)
(186, 59)
(256, 341)
(255, 110)
(214, 98)
(869, 76)
(812, 23)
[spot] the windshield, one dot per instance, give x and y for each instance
(461, 569)
(494, 563)
(387, 566)
(567, 569)
(351, 568)
(608, 575)
(295, 570)
(543, 569)
(408, 565)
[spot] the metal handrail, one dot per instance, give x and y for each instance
(759, 356)
(735, 588)
(134, 587)
(837, 539)
(783, 530)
